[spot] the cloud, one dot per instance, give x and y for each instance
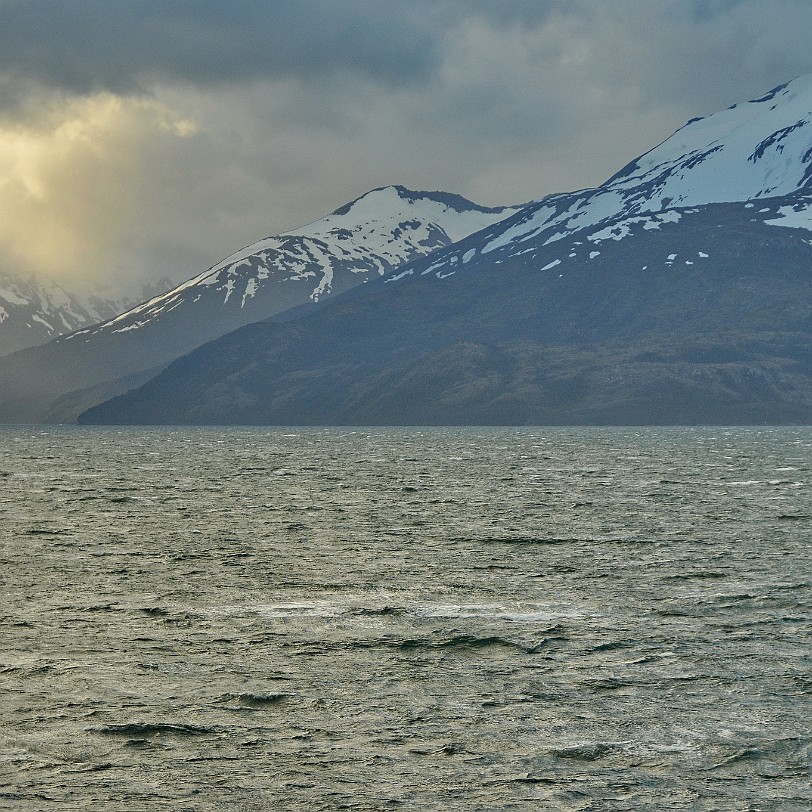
(140, 138)
(69, 182)
(127, 45)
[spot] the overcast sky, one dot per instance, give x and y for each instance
(149, 138)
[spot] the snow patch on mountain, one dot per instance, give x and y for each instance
(619, 230)
(522, 228)
(12, 298)
(794, 215)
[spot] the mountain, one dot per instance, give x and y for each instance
(679, 291)
(362, 240)
(34, 310)
(359, 242)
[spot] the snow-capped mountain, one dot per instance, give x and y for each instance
(758, 151)
(35, 310)
(706, 319)
(361, 241)
(678, 291)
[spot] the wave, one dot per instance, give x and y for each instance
(152, 729)
(469, 642)
(549, 540)
(375, 612)
(589, 751)
(256, 700)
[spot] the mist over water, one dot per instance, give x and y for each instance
(466, 619)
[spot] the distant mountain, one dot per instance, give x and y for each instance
(34, 310)
(361, 241)
(679, 291)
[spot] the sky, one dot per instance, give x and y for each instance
(146, 139)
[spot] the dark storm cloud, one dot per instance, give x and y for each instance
(84, 46)
(125, 45)
(130, 46)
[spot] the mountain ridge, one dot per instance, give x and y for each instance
(700, 246)
(587, 343)
(369, 237)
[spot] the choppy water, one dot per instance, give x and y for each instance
(418, 619)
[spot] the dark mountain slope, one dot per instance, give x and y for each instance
(704, 317)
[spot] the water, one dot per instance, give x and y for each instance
(545, 619)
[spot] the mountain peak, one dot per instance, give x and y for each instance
(364, 239)
(754, 149)
(399, 194)
(372, 236)
(387, 209)
(34, 310)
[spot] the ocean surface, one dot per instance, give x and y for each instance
(421, 619)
